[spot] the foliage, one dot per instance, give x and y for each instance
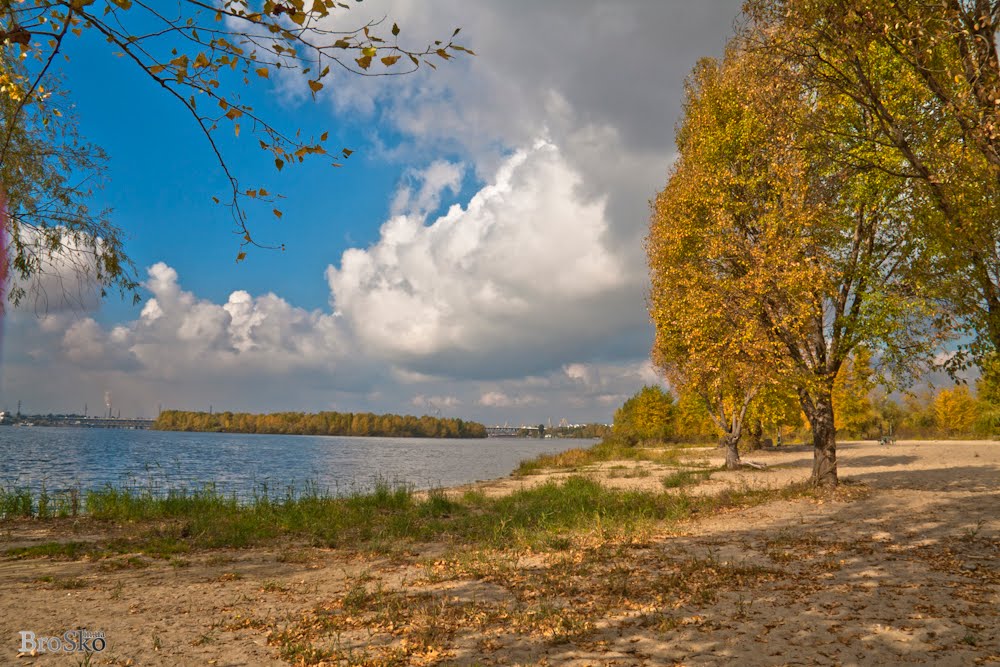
(693, 422)
(48, 175)
(792, 258)
(709, 336)
(579, 431)
(648, 415)
(852, 396)
(928, 77)
(918, 412)
(955, 410)
(322, 423)
(202, 55)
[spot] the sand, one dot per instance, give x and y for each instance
(903, 568)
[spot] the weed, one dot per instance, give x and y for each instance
(682, 478)
(70, 583)
(970, 534)
(273, 587)
(621, 472)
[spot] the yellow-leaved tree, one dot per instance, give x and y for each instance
(855, 413)
(771, 262)
(927, 76)
(955, 410)
(648, 415)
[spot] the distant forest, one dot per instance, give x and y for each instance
(322, 423)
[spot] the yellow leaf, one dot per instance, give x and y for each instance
(263, 73)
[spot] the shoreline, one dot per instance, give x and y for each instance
(786, 579)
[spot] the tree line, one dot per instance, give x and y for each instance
(864, 411)
(322, 423)
(835, 196)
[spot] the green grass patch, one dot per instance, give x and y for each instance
(22, 503)
(547, 516)
(606, 450)
(681, 478)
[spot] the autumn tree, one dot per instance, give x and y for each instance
(775, 408)
(203, 55)
(955, 410)
(648, 415)
(693, 421)
(709, 340)
(815, 254)
(852, 395)
(927, 76)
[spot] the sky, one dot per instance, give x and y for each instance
(479, 255)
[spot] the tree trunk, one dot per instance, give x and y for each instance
(731, 443)
(820, 414)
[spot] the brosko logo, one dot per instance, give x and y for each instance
(71, 641)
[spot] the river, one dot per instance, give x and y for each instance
(88, 458)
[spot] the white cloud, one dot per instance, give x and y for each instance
(435, 180)
(437, 403)
(509, 283)
(498, 399)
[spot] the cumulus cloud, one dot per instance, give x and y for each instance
(516, 281)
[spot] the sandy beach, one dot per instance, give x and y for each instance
(900, 566)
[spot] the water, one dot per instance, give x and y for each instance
(85, 458)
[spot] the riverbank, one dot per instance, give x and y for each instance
(662, 559)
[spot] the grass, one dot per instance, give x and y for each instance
(21, 503)
(541, 517)
(682, 478)
(607, 450)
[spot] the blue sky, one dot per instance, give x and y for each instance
(525, 302)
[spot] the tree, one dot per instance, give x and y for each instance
(955, 410)
(927, 74)
(202, 54)
(46, 178)
(709, 340)
(852, 392)
(817, 252)
(693, 422)
(648, 415)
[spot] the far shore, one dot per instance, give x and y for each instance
(900, 565)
